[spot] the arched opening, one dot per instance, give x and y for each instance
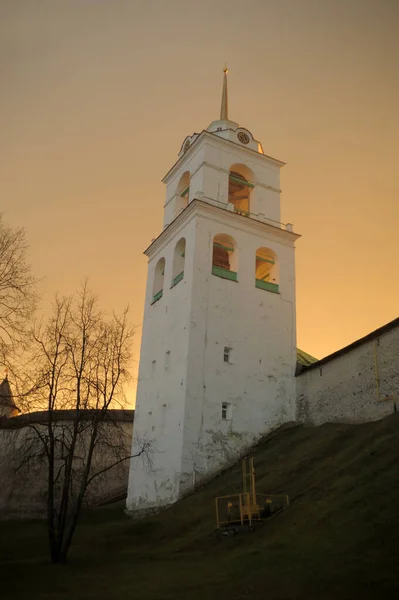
(178, 262)
(224, 257)
(182, 193)
(159, 273)
(240, 188)
(266, 270)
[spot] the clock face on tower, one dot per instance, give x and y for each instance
(243, 137)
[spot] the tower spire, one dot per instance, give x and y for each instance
(224, 112)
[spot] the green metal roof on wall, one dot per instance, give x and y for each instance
(304, 359)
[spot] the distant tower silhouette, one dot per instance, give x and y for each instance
(8, 407)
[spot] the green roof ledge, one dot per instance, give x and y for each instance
(303, 360)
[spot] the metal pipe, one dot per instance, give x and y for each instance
(376, 371)
(253, 486)
(244, 476)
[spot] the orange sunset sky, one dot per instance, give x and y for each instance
(98, 95)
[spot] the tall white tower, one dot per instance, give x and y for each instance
(218, 350)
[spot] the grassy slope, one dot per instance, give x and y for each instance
(339, 538)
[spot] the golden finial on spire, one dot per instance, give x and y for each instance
(224, 106)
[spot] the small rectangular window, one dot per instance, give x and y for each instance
(167, 359)
(227, 355)
(224, 410)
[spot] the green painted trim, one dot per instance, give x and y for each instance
(184, 192)
(266, 285)
(224, 273)
(243, 181)
(229, 249)
(178, 278)
(272, 262)
(242, 211)
(157, 296)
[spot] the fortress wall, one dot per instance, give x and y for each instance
(23, 489)
(356, 384)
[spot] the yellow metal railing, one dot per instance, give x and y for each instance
(241, 509)
(248, 506)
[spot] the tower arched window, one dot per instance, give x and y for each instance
(182, 192)
(266, 270)
(159, 274)
(240, 188)
(224, 257)
(178, 262)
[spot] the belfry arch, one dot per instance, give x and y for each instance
(267, 270)
(224, 257)
(240, 186)
(182, 193)
(159, 275)
(179, 255)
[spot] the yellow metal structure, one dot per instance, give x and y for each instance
(248, 506)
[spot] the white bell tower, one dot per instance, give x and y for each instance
(218, 353)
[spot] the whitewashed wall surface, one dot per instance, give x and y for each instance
(23, 484)
(356, 384)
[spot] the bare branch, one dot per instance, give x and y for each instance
(18, 298)
(145, 450)
(77, 366)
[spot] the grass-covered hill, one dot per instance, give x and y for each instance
(339, 539)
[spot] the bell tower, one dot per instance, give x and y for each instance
(218, 353)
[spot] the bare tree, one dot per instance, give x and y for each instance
(77, 370)
(17, 289)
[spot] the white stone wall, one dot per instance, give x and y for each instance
(23, 490)
(351, 387)
(179, 407)
(259, 327)
(161, 389)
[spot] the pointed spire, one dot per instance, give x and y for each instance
(224, 112)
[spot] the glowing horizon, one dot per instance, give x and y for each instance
(97, 100)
